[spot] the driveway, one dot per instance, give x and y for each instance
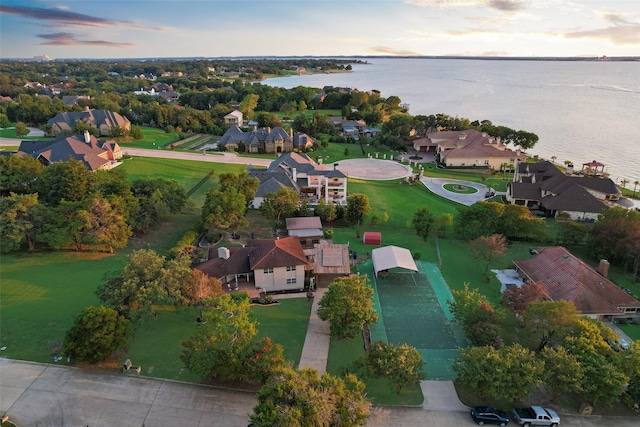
(436, 186)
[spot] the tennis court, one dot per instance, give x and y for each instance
(413, 309)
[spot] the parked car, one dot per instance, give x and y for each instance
(623, 344)
(488, 415)
(535, 416)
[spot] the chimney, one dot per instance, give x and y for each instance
(570, 169)
(291, 133)
(223, 253)
(87, 137)
(268, 129)
(295, 175)
(603, 268)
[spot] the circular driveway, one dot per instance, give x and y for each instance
(374, 169)
(436, 186)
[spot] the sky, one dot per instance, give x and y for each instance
(220, 28)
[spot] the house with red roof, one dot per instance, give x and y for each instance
(272, 264)
(565, 277)
(468, 148)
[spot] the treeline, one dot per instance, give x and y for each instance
(558, 351)
(207, 100)
(66, 206)
(118, 75)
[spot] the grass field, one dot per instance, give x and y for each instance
(343, 352)
(151, 138)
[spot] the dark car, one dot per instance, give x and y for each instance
(488, 415)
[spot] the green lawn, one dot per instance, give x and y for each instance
(285, 323)
(343, 352)
(40, 296)
(151, 138)
(633, 331)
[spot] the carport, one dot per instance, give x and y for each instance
(389, 257)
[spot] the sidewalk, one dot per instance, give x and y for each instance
(316, 344)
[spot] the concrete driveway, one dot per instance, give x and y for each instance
(436, 186)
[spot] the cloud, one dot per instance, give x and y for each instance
(501, 5)
(616, 19)
(384, 50)
(506, 5)
(57, 15)
(69, 39)
(63, 18)
(618, 35)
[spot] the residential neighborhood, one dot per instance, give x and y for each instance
(216, 231)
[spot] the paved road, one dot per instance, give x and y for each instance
(42, 395)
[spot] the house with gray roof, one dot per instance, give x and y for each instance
(265, 139)
(96, 154)
(312, 181)
(103, 120)
(543, 186)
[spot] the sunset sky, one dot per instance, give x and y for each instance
(213, 28)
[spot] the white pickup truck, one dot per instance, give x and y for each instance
(535, 416)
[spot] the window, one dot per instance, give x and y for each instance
(291, 281)
(292, 267)
(268, 271)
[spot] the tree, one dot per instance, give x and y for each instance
(604, 378)
(224, 210)
(326, 211)
(487, 248)
(21, 129)
(21, 220)
(18, 174)
(518, 297)
(242, 182)
(107, 226)
(279, 205)
(222, 348)
(70, 181)
(548, 322)
(156, 197)
(96, 333)
(516, 222)
(442, 223)
(616, 237)
(348, 306)
(562, 372)
(357, 208)
(132, 292)
(423, 221)
(248, 104)
(481, 321)
(303, 398)
(507, 373)
(479, 219)
(200, 288)
(401, 364)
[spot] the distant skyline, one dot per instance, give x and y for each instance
(213, 28)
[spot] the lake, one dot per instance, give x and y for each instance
(581, 110)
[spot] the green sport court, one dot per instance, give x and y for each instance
(412, 309)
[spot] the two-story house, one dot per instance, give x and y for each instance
(312, 181)
(234, 118)
(273, 265)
